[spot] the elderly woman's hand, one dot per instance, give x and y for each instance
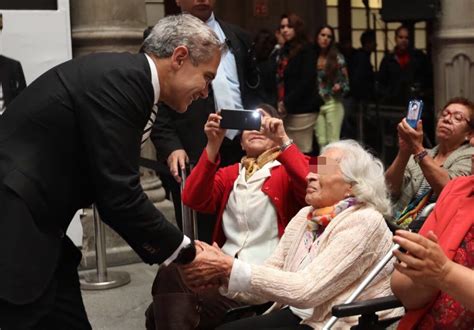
(424, 262)
(410, 139)
(209, 267)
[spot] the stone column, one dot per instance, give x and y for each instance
(453, 51)
(106, 26)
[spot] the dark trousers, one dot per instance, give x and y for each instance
(176, 307)
(60, 306)
(282, 319)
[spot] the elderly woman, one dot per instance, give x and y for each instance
(418, 175)
(326, 251)
(435, 278)
(254, 200)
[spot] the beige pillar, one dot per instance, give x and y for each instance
(453, 51)
(106, 26)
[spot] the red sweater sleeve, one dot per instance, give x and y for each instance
(297, 166)
(204, 188)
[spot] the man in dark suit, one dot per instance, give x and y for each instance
(179, 138)
(12, 81)
(72, 139)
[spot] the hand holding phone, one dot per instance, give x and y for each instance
(240, 119)
(415, 108)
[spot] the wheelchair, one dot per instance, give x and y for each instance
(368, 319)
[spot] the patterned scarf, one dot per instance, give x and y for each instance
(318, 219)
(252, 164)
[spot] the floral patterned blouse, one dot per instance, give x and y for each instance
(447, 313)
(325, 88)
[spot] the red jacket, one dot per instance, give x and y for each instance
(450, 221)
(207, 189)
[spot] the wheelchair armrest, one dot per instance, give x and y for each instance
(366, 307)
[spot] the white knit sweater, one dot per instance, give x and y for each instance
(350, 246)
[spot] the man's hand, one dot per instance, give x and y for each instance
(177, 161)
(210, 267)
(424, 262)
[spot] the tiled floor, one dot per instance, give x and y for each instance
(122, 308)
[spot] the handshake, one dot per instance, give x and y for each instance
(211, 268)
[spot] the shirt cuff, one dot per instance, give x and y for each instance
(240, 276)
(186, 240)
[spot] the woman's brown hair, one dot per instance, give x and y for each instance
(331, 54)
(301, 36)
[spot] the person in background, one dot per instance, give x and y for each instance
(405, 73)
(296, 80)
(12, 81)
(361, 82)
(179, 138)
(266, 55)
(327, 250)
(254, 200)
(418, 175)
(280, 42)
(333, 84)
(435, 277)
(361, 71)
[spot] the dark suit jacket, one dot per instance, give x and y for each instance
(73, 138)
(301, 93)
(11, 78)
(397, 85)
(174, 130)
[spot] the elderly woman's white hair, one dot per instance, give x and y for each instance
(366, 174)
(183, 30)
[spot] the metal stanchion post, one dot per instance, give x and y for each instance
(188, 215)
(102, 279)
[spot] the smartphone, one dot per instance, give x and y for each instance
(241, 119)
(415, 107)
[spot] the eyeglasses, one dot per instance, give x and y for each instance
(457, 116)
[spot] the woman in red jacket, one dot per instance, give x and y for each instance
(257, 196)
(254, 200)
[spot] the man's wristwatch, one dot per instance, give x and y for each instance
(186, 254)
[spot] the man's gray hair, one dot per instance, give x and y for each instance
(183, 30)
(366, 174)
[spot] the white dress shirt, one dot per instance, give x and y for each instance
(226, 83)
(249, 219)
(156, 88)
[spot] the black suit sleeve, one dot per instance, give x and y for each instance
(164, 135)
(113, 111)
